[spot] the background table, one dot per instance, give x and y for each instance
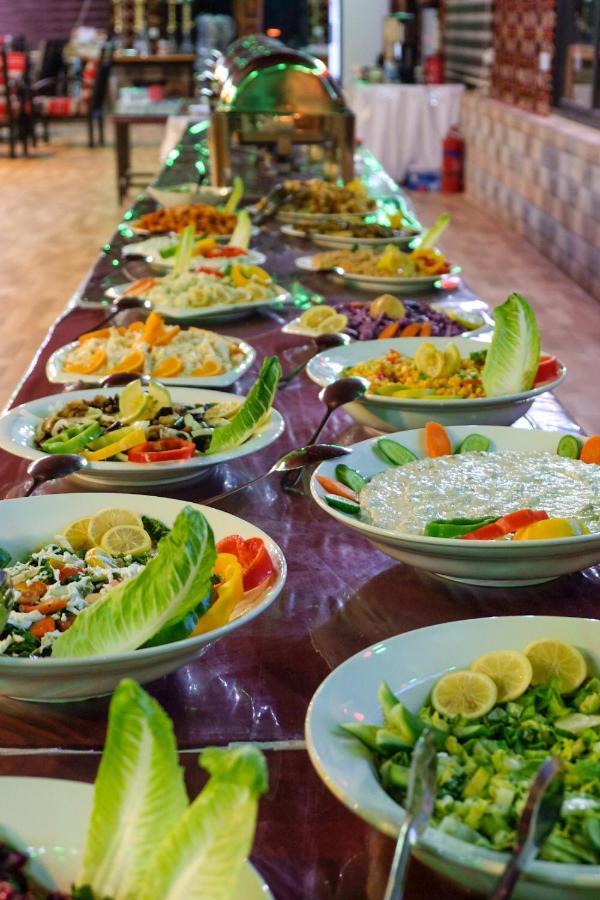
(341, 596)
(403, 125)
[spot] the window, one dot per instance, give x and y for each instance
(577, 61)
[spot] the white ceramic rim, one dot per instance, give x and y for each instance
(444, 846)
(304, 263)
(191, 313)
(11, 665)
(56, 374)
(484, 548)
(265, 436)
(421, 404)
(339, 241)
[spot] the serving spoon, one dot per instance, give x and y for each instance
(321, 342)
(51, 467)
(120, 304)
(336, 394)
(540, 815)
(295, 459)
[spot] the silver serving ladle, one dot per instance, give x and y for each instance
(50, 467)
(295, 459)
(540, 815)
(420, 799)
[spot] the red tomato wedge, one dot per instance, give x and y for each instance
(548, 370)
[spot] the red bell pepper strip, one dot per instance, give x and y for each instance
(506, 525)
(209, 271)
(161, 451)
(254, 558)
(548, 370)
(219, 252)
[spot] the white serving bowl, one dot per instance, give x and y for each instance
(491, 563)
(341, 242)
(17, 431)
(190, 192)
(411, 663)
(165, 265)
(29, 522)
(394, 413)
(57, 374)
(56, 834)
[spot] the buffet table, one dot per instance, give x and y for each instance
(404, 124)
(341, 596)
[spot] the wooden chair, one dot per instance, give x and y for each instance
(15, 99)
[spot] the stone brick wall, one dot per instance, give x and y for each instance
(541, 175)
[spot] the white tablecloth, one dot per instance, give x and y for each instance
(403, 125)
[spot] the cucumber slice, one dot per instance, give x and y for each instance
(350, 477)
(395, 453)
(474, 443)
(346, 506)
(569, 446)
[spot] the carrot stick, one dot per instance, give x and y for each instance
(336, 487)
(42, 627)
(590, 452)
(411, 330)
(389, 331)
(437, 442)
(426, 329)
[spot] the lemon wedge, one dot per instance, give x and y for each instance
(77, 533)
(429, 360)
(126, 540)
(555, 659)
(315, 316)
(132, 402)
(107, 519)
(451, 360)
(467, 694)
(332, 324)
(96, 557)
(509, 670)
(387, 305)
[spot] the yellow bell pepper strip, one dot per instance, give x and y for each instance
(230, 591)
(134, 437)
(549, 529)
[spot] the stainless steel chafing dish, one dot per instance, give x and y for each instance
(264, 93)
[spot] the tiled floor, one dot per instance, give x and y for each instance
(58, 208)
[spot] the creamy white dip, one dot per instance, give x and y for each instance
(470, 485)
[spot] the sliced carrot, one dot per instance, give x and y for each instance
(411, 330)
(47, 607)
(42, 627)
(94, 362)
(336, 487)
(133, 362)
(389, 331)
(437, 442)
(425, 329)
(590, 452)
(100, 334)
(167, 336)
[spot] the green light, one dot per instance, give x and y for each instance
(199, 127)
(116, 262)
(106, 247)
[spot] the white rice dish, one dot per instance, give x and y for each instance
(472, 485)
(197, 290)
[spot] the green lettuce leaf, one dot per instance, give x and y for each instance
(252, 411)
(139, 795)
(235, 196)
(513, 358)
(433, 234)
(243, 231)
(172, 584)
(202, 856)
(185, 248)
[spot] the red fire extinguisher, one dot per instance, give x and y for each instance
(453, 158)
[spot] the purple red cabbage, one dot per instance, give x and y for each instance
(364, 328)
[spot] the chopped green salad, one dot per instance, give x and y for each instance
(489, 751)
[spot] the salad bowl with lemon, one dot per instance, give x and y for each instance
(491, 380)
(500, 696)
(135, 587)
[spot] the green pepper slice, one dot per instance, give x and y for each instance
(451, 528)
(72, 440)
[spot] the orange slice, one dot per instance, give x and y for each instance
(133, 362)
(100, 334)
(169, 367)
(210, 367)
(136, 327)
(95, 362)
(167, 336)
(153, 328)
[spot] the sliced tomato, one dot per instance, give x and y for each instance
(68, 572)
(506, 525)
(162, 451)
(257, 565)
(208, 271)
(219, 252)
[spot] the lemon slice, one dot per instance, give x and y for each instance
(98, 558)
(313, 317)
(429, 360)
(451, 360)
(132, 402)
(333, 323)
(77, 533)
(110, 518)
(555, 659)
(126, 540)
(467, 694)
(387, 305)
(157, 398)
(509, 670)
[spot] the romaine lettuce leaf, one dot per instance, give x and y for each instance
(513, 358)
(172, 584)
(254, 408)
(202, 855)
(139, 795)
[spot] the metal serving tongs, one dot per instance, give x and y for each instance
(540, 815)
(276, 197)
(422, 785)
